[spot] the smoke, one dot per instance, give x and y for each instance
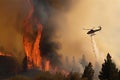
(83, 61)
(46, 12)
(89, 14)
(11, 27)
(49, 47)
(73, 64)
(63, 21)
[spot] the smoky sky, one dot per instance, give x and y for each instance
(13, 14)
(44, 11)
(54, 14)
(47, 9)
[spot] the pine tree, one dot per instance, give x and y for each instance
(109, 70)
(88, 72)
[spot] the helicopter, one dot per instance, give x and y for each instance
(92, 31)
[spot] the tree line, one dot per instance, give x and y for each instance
(109, 71)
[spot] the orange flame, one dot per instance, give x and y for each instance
(32, 48)
(47, 65)
(2, 54)
(37, 59)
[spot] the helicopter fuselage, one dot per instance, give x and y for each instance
(93, 31)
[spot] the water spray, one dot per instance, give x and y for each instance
(95, 48)
(92, 32)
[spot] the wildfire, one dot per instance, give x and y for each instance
(31, 48)
(47, 65)
(1, 54)
(37, 59)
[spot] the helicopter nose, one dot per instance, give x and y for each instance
(88, 32)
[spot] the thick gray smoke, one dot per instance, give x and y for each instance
(12, 26)
(45, 11)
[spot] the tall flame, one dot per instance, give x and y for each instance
(37, 59)
(32, 49)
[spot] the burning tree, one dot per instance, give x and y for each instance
(31, 43)
(38, 45)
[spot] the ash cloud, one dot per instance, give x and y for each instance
(13, 14)
(45, 11)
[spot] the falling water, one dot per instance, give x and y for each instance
(95, 48)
